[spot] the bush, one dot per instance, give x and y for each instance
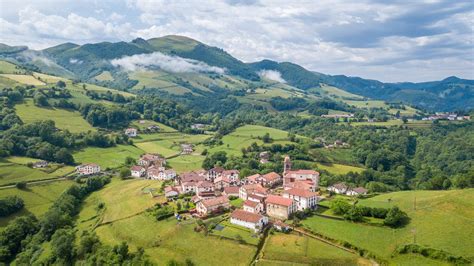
(20, 185)
(10, 205)
(396, 218)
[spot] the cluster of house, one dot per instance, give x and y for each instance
(342, 188)
(88, 169)
(133, 132)
(152, 166)
(446, 116)
(213, 188)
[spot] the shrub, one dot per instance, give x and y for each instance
(396, 218)
(21, 185)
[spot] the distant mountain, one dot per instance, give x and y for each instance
(87, 61)
(446, 95)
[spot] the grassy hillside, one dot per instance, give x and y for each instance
(107, 157)
(64, 119)
(15, 169)
(442, 220)
(37, 198)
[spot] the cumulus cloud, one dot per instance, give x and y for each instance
(329, 36)
(168, 63)
(271, 75)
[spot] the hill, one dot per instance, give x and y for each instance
(88, 62)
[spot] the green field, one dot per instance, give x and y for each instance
(185, 163)
(339, 169)
(147, 123)
(336, 92)
(124, 202)
(9, 68)
(442, 220)
(14, 170)
(395, 122)
(244, 136)
(293, 248)
(24, 79)
(232, 231)
(107, 157)
(104, 76)
(37, 198)
(64, 119)
(167, 144)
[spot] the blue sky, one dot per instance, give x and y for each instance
(385, 40)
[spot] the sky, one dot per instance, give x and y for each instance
(398, 40)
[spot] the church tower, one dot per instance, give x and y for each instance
(286, 164)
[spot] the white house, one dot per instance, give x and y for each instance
(253, 206)
(304, 199)
(291, 176)
(88, 169)
(246, 190)
(208, 206)
(137, 171)
(131, 132)
(171, 192)
(249, 220)
(339, 188)
(356, 191)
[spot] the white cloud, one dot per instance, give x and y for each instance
(271, 75)
(168, 63)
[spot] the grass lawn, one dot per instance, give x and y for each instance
(14, 170)
(64, 119)
(24, 79)
(185, 163)
(339, 168)
(121, 199)
(37, 198)
(293, 248)
(107, 157)
(234, 231)
(442, 220)
(238, 203)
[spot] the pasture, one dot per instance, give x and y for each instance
(339, 169)
(123, 219)
(244, 136)
(104, 76)
(185, 163)
(37, 198)
(434, 211)
(107, 157)
(298, 249)
(14, 170)
(24, 79)
(64, 119)
(9, 68)
(167, 144)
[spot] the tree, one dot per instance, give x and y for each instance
(62, 244)
(396, 218)
(61, 84)
(353, 214)
(340, 206)
(20, 185)
(40, 100)
(266, 138)
(124, 172)
(64, 156)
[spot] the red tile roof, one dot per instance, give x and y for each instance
(231, 190)
(279, 200)
(250, 203)
(136, 168)
(230, 172)
(271, 176)
(253, 177)
(360, 190)
(300, 192)
(215, 201)
(246, 216)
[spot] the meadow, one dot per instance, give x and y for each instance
(24, 79)
(244, 136)
(14, 170)
(38, 198)
(64, 119)
(299, 249)
(339, 169)
(434, 211)
(122, 219)
(107, 157)
(167, 144)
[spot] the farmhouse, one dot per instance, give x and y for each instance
(198, 126)
(253, 179)
(88, 169)
(279, 207)
(191, 177)
(131, 132)
(171, 192)
(305, 185)
(356, 191)
(232, 176)
(153, 128)
(291, 176)
(339, 188)
(264, 157)
(304, 199)
(186, 148)
(221, 182)
(231, 191)
(271, 179)
(250, 220)
(40, 164)
(208, 206)
(253, 206)
(152, 159)
(214, 173)
(137, 171)
(246, 190)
